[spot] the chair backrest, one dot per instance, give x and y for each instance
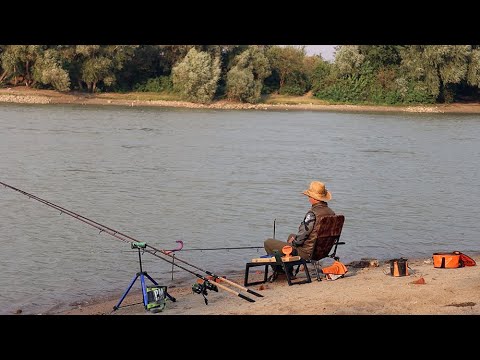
(328, 235)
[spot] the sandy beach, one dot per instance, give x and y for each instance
(24, 95)
(363, 291)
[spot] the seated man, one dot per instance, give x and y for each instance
(303, 241)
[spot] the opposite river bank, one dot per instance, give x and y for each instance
(24, 95)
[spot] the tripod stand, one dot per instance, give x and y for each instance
(142, 275)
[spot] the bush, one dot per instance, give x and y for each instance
(419, 96)
(377, 88)
(296, 83)
(158, 84)
(241, 85)
(292, 89)
(349, 89)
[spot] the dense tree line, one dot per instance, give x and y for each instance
(382, 74)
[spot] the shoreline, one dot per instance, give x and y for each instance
(24, 95)
(363, 291)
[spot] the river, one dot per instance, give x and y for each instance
(408, 185)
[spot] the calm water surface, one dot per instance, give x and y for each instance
(408, 185)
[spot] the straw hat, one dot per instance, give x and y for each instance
(318, 191)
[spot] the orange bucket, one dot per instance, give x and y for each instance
(399, 267)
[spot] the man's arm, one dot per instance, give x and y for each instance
(304, 229)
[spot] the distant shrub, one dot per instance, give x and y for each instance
(349, 89)
(292, 89)
(158, 84)
(242, 86)
(418, 95)
(322, 76)
(296, 83)
(379, 88)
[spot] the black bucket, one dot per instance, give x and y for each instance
(399, 267)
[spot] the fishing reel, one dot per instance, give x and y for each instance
(139, 245)
(201, 288)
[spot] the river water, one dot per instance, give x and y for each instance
(408, 185)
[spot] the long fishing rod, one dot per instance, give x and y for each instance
(225, 248)
(123, 237)
(233, 248)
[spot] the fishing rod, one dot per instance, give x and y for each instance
(233, 248)
(125, 238)
(226, 248)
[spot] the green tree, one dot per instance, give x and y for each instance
(94, 64)
(438, 66)
(146, 63)
(48, 71)
(196, 76)
(245, 78)
(285, 61)
(310, 64)
(321, 76)
(170, 55)
(380, 56)
(97, 69)
(473, 71)
(18, 60)
(348, 60)
(3, 72)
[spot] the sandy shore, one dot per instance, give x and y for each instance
(363, 291)
(24, 95)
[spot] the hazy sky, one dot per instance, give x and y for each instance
(325, 50)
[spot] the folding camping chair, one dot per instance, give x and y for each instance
(328, 236)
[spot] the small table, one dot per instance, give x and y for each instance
(286, 265)
(253, 264)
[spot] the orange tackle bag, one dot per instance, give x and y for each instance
(452, 260)
(335, 271)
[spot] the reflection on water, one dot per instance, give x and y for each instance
(407, 184)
